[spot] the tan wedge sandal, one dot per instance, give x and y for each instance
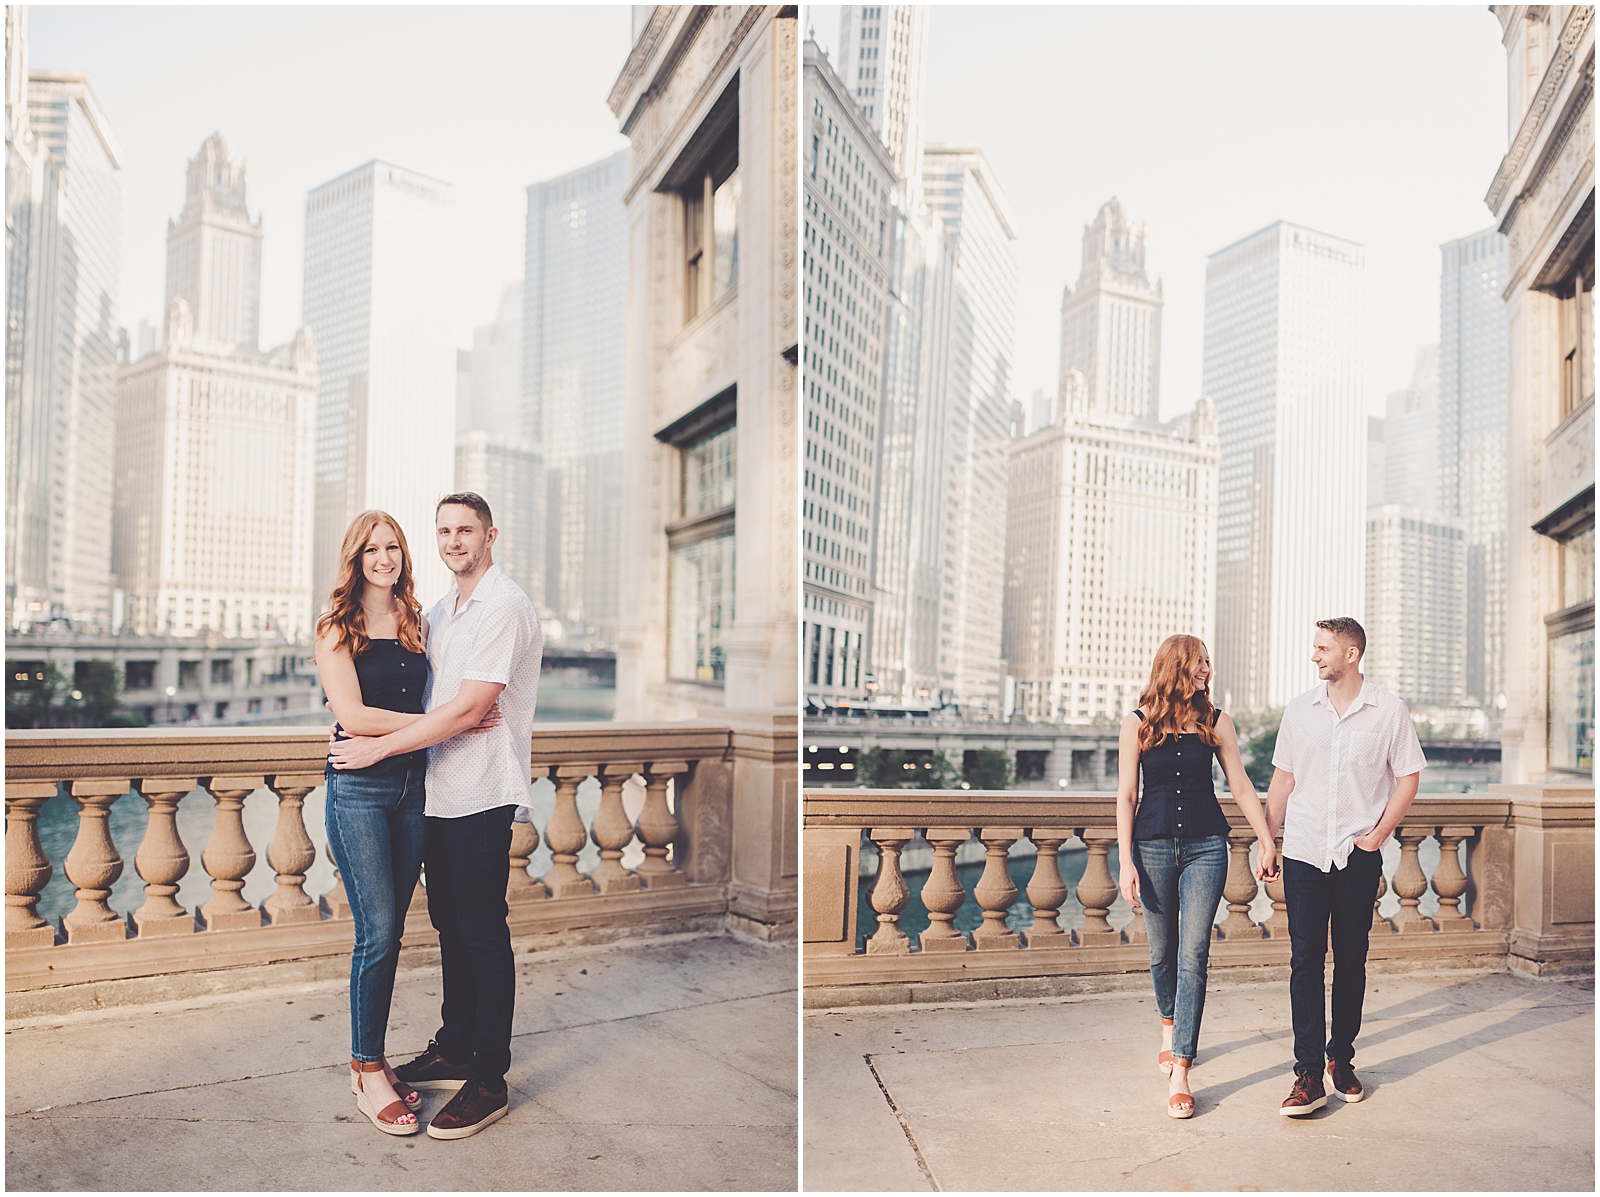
(388, 1119)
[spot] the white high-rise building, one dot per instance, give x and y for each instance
(1110, 548)
(1111, 321)
(214, 440)
(1283, 362)
(574, 355)
(1411, 437)
(849, 185)
(63, 230)
(376, 292)
(1472, 444)
(1415, 614)
(974, 354)
(1377, 461)
(882, 62)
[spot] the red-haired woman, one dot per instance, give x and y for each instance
(372, 662)
(1173, 841)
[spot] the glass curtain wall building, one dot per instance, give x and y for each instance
(376, 295)
(574, 356)
(1282, 362)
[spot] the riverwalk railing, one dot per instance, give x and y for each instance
(696, 787)
(1525, 899)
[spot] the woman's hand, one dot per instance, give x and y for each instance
(1266, 860)
(490, 720)
(1128, 880)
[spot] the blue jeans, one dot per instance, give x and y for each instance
(1180, 887)
(375, 828)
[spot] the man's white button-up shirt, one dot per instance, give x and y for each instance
(1344, 769)
(494, 637)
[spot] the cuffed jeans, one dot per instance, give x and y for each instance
(468, 865)
(1341, 899)
(375, 830)
(1180, 887)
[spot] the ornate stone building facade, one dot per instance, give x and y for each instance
(1111, 321)
(1542, 197)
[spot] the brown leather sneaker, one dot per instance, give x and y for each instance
(431, 1070)
(469, 1111)
(1342, 1080)
(1307, 1095)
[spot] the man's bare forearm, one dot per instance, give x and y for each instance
(1278, 799)
(437, 726)
(1394, 811)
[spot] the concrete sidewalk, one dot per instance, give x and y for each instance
(641, 1066)
(1474, 1082)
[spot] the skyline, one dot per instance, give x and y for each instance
(1436, 83)
(271, 105)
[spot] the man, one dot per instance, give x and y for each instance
(484, 648)
(1346, 768)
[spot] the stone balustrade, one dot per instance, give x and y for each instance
(1525, 899)
(699, 785)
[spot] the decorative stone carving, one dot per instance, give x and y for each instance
(995, 890)
(942, 893)
(658, 827)
(890, 895)
(228, 856)
(1277, 924)
(1240, 888)
(1449, 882)
(291, 851)
(520, 887)
(1097, 891)
(1410, 884)
(566, 835)
(28, 869)
(1046, 890)
(612, 832)
(93, 865)
(334, 901)
(162, 860)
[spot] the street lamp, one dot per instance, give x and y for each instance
(171, 690)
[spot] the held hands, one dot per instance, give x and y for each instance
(354, 752)
(1266, 867)
(1128, 880)
(490, 720)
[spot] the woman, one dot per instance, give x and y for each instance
(1174, 850)
(371, 660)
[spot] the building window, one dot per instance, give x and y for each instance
(1577, 342)
(1577, 568)
(139, 675)
(1570, 729)
(711, 226)
(222, 672)
(188, 675)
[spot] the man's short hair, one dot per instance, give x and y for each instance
(467, 498)
(1348, 630)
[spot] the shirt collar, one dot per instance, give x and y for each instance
(449, 600)
(1363, 699)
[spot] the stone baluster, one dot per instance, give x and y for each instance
(889, 894)
(566, 835)
(995, 890)
(658, 827)
(942, 893)
(1410, 884)
(93, 865)
(1240, 888)
(1046, 890)
(612, 832)
(162, 860)
(520, 887)
(291, 851)
(1277, 924)
(1135, 931)
(228, 856)
(1379, 923)
(1097, 891)
(28, 869)
(335, 901)
(1449, 882)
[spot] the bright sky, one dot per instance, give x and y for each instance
(488, 99)
(1383, 125)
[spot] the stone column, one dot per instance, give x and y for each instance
(995, 891)
(28, 869)
(335, 901)
(520, 887)
(566, 835)
(162, 859)
(291, 851)
(1097, 891)
(228, 856)
(1410, 884)
(1277, 924)
(658, 827)
(942, 893)
(1449, 882)
(93, 865)
(1240, 888)
(612, 832)
(890, 895)
(1046, 891)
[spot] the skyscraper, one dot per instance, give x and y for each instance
(376, 294)
(214, 250)
(849, 185)
(61, 349)
(963, 193)
(1111, 321)
(574, 354)
(1411, 437)
(883, 63)
(1282, 362)
(1472, 443)
(1416, 604)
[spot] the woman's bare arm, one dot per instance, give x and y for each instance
(1244, 793)
(1127, 800)
(336, 669)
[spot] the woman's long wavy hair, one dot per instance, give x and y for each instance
(1172, 694)
(345, 613)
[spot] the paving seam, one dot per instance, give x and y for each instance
(905, 1126)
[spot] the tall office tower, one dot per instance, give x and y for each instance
(1472, 443)
(962, 192)
(1411, 437)
(1415, 613)
(1111, 321)
(574, 354)
(214, 443)
(1282, 362)
(1377, 461)
(849, 185)
(883, 63)
(61, 349)
(214, 250)
(1110, 548)
(376, 293)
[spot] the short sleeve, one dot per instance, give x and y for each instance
(1283, 750)
(504, 635)
(1405, 750)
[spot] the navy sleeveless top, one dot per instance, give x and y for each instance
(1179, 798)
(392, 679)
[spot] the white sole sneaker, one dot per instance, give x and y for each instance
(462, 1132)
(1297, 1111)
